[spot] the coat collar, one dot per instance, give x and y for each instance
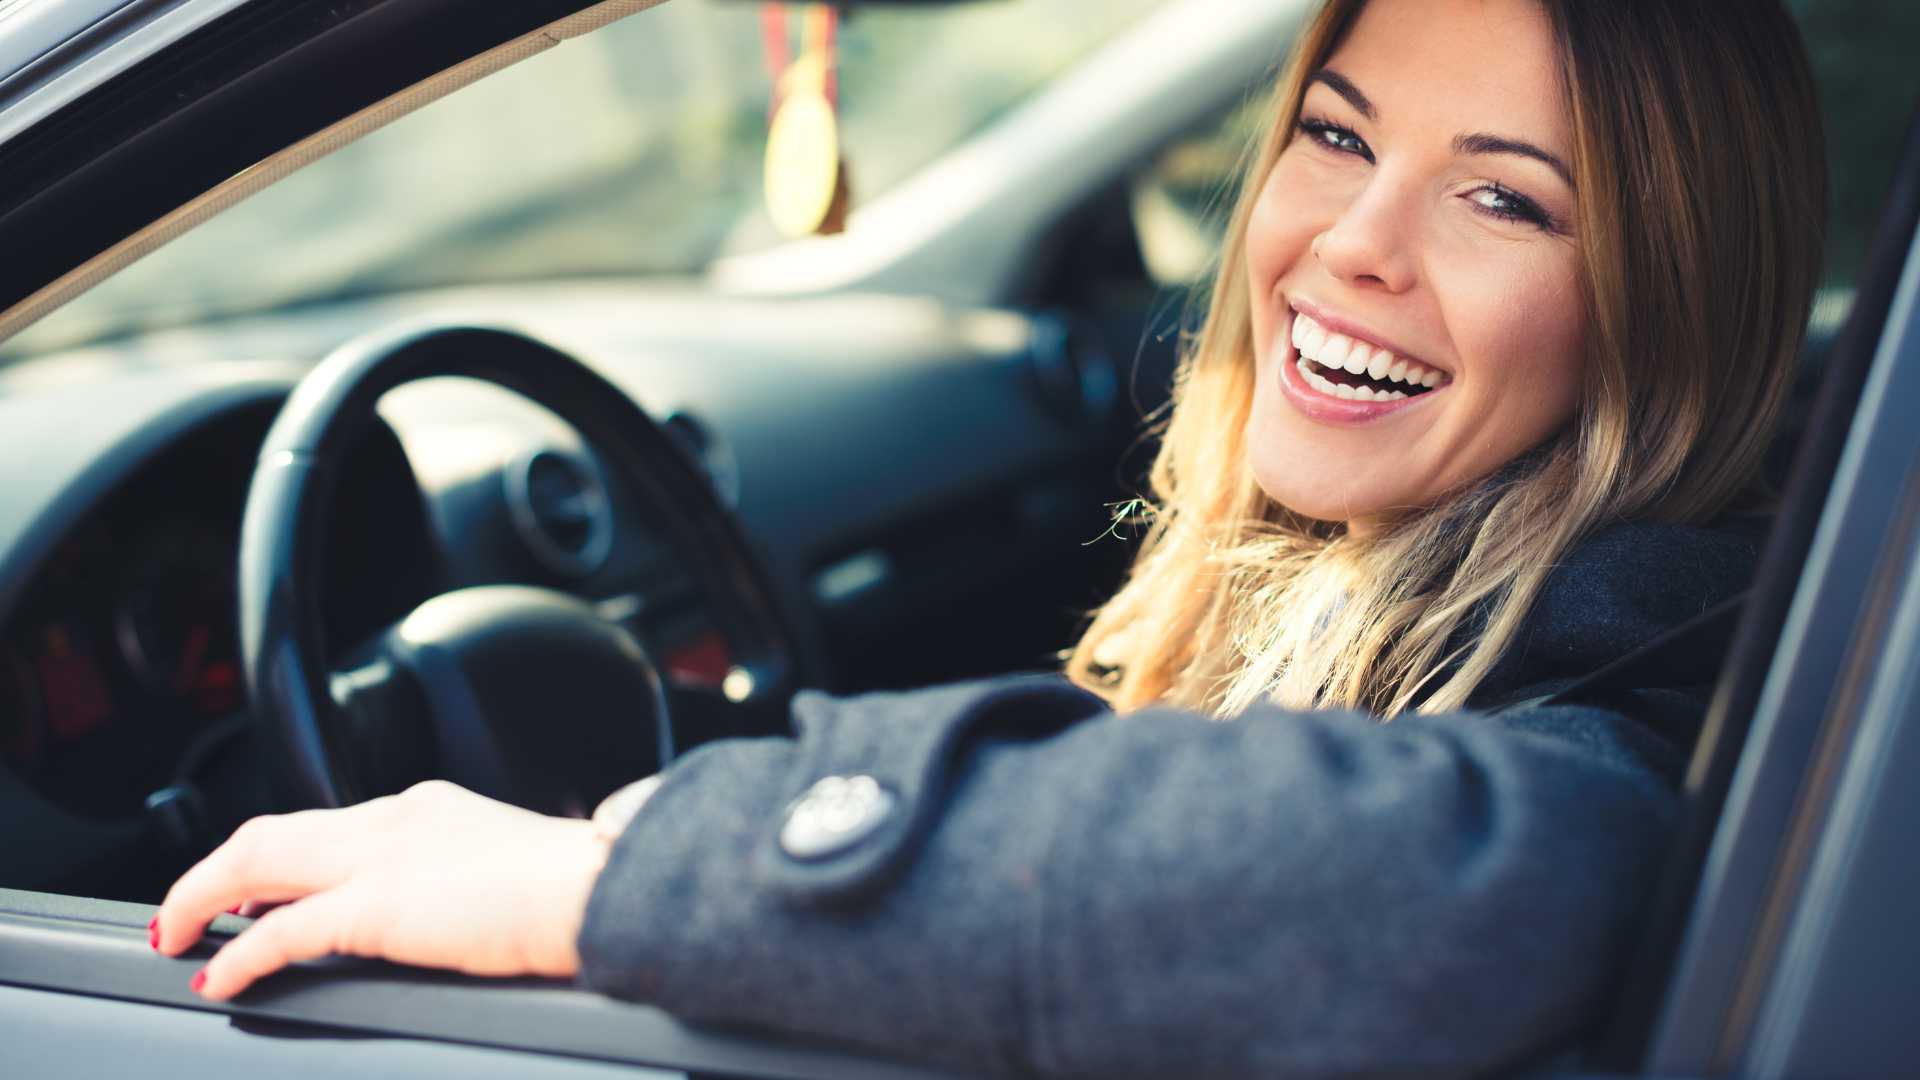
(1619, 590)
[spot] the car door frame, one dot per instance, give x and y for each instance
(1777, 784)
(206, 110)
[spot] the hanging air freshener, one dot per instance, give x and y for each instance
(806, 178)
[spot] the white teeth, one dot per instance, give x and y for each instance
(1382, 361)
(1338, 352)
(1364, 393)
(1318, 381)
(1333, 354)
(1316, 337)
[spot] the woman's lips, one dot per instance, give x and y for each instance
(1325, 407)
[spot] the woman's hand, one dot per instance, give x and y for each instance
(437, 876)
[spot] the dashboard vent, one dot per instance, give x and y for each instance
(559, 507)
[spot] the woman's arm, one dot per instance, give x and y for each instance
(1059, 890)
(1038, 886)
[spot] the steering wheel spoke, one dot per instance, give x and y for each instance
(380, 723)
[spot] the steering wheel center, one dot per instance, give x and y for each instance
(520, 693)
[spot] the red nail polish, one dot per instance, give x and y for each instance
(199, 980)
(153, 932)
(235, 909)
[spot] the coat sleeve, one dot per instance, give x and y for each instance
(1063, 891)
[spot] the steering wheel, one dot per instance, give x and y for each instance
(524, 694)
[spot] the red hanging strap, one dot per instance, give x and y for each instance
(773, 42)
(823, 34)
(821, 29)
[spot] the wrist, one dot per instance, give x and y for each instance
(596, 837)
(586, 856)
(616, 811)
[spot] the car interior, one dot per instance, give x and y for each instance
(882, 460)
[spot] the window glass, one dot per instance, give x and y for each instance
(635, 150)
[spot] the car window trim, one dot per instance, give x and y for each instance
(1837, 1000)
(76, 48)
(1687, 1005)
(99, 948)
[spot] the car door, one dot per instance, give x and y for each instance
(1780, 946)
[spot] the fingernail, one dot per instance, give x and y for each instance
(153, 932)
(235, 909)
(199, 980)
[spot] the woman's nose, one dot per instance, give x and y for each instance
(1368, 243)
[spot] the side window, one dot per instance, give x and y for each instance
(634, 152)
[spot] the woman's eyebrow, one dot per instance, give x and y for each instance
(1494, 144)
(1343, 86)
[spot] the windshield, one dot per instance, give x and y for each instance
(635, 150)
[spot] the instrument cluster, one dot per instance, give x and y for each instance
(120, 665)
(121, 658)
(124, 650)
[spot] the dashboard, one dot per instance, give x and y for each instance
(921, 485)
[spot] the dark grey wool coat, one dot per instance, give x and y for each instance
(1060, 890)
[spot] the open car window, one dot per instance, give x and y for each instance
(633, 151)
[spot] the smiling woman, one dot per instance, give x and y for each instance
(1410, 228)
(1478, 409)
(1520, 202)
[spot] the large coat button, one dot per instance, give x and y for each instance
(834, 815)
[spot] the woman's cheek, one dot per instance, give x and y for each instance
(1525, 327)
(1280, 233)
(1263, 241)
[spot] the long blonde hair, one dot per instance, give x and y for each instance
(1701, 200)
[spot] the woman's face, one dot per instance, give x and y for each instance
(1417, 316)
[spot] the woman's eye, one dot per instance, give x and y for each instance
(1336, 138)
(1509, 205)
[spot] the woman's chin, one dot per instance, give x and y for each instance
(1314, 501)
(1298, 476)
